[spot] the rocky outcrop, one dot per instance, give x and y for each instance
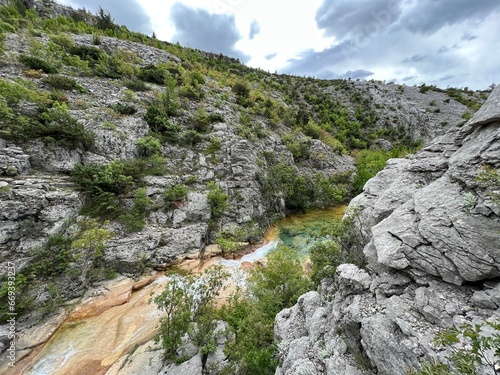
(433, 262)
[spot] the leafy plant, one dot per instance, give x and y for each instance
(37, 63)
(344, 244)
(149, 145)
(474, 347)
(62, 83)
(217, 200)
(185, 300)
(174, 195)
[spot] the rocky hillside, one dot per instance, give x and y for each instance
(433, 220)
(170, 149)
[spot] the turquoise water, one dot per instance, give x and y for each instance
(298, 232)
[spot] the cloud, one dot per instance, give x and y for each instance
(254, 30)
(197, 28)
(344, 18)
(414, 58)
(446, 77)
(468, 37)
(270, 56)
(355, 74)
(409, 78)
(428, 16)
(404, 39)
(124, 12)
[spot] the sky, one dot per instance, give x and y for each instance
(437, 42)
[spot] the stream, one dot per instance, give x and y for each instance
(103, 329)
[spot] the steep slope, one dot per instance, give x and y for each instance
(433, 262)
(168, 148)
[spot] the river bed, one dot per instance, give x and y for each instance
(102, 330)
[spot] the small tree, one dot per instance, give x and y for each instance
(90, 248)
(188, 299)
(104, 21)
(217, 200)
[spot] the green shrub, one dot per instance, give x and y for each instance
(250, 314)
(241, 89)
(55, 125)
(472, 346)
(104, 21)
(86, 53)
(214, 145)
(344, 244)
(62, 83)
(191, 138)
(149, 145)
(217, 200)
(186, 300)
(135, 85)
(152, 73)
(37, 63)
(370, 162)
(174, 195)
(124, 109)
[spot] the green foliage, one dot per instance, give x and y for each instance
(344, 243)
(191, 138)
(149, 145)
(62, 83)
(124, 109)
(229, 238)
(108, 185)
(187, 300)
(165, 105)
(298, 146)
(114, 66)
(489, 178)
(92, 55)
(474, 347)
(214, 145)
(370, 162)
(135, 85)
(104, 21)
(217, 200)
(302, 192)
(153, 74)
(278, 284)
(89, 250)
(251, 314)
(241, 89)
(37, 63)
(175, 195)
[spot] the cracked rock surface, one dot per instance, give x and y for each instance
(433, 262)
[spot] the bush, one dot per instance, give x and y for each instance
(345, 244)
(124, 109)
(135, 85)
(86, 53)
(191, 138)
(250, 314)
(37, 63)
(56, 125)
(217, 200)
(174, 195)
(62, 83)
(370, 162)
(149, 145)
(153, 74)
(189, 306)
(241, 89)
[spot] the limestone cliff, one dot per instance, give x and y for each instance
(433, 262)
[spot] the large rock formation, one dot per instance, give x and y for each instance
(433, 262)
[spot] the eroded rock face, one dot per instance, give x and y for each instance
(433, 262)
